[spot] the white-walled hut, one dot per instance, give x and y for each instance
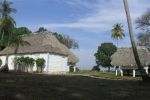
(124, 58)
(42, 45)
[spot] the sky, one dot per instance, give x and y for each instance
(89, 22)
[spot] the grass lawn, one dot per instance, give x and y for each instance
(76, 86)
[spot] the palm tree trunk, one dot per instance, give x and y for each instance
(6, 68)
(16, 49)
(136, 56)
(1, 40)
(7, 55)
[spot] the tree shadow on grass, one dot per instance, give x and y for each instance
(24, 86)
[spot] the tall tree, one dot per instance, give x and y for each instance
(7, 24)
(17, 36)
(143, 23)
(16, 40)
(66, 40)
(117, 32)
(104, 53)
(144, 40)
(132, 38)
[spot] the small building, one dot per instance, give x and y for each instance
(124, 58)
(42, 45)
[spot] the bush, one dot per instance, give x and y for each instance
(96, 68)
(71, 69)
(24, 63)
(0, 62)
(40, 62)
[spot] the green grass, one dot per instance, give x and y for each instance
(105, 75)
(17, 86)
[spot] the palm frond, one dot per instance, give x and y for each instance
(117, 31)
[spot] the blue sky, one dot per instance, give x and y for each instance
(88, 21)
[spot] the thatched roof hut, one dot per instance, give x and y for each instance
(72, 59)
(124, 57)
(43, 42)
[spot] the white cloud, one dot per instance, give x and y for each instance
(104, 15)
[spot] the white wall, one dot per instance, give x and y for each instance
(58, 64)
(54, 63)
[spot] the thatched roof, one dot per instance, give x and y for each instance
(124, 57)
(41, 43)
(72, 58)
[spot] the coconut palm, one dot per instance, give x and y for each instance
(7, 24)
(117, 32)
(132, 38)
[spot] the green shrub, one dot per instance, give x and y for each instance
(1, 62)
(24, 63)
(96, 68)
(71, 69)
(40, 62)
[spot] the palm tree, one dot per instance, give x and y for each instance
(117, 32)
(136, 56)
(7, 24)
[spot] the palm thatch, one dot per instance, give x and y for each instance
(43, 42)
(124, 57)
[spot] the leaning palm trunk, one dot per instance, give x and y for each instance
(136, 56)
(5, 68)
(16, 49)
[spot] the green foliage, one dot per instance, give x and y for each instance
(117, 32)
(66, 40)
(40, 62)
(96, 68)
(104, 53)
(71, 69)
(25, 62)
(7, 23)
(16, 39)
(41, 29)
(22, 31)
(1, 62)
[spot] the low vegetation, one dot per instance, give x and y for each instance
(105, 75)
(40, 62)
(24, 64)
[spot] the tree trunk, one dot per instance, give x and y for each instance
(5, 68)
(108, 68)
(135, 52)
(16, 49)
